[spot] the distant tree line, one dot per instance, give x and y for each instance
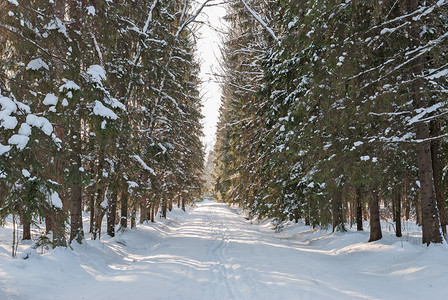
(336, 111)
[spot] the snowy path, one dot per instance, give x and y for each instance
(212, 252)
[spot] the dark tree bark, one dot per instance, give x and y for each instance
(133, 212)
(338, 221)
(111, 213)
(183, 203)
(418, 210)
(358, 210)
(314, 213)
(375, 225)
(48, 224)
(76, 228)
(92, 212)
(98, 221)
(397, 210)
(99, 195)
(148, 211)
(164, 208)
(430, 217)
(352, 213)
(58, 228)
(74, 139)
(437, 174)
(26, 223)
(143, 213)
(153, 212)
(307, 221)
(124, 208)
(296, 215)
(407, 208)
(393, 209)
(170, 206)
(365, 212)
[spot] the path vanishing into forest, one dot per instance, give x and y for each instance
(213, 252)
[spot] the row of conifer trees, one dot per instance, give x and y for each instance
(332, 107)
(100, 112)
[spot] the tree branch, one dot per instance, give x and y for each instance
(263, 23)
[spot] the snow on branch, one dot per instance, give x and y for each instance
(143, 164)
(390, 113)
(407, 138)
(191, 18)
(149, 19)
(425, 111)
(263, 23)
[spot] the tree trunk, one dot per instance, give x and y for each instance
(407, 208)
(74, 140)
(437, 174)
(397, 210)
(153, 212)
(143, 213)
(393, 208)
(430, 218)
(338, 222)
(98, 221)
(58, 228)
(314, 213)
(170, 207)
(358, 210)
(54, 219)
(26, 223)
(48, 223)
(99, 213)
(365, 212)
(375, 225)
(76, 228)
(92, 212)
(148, 212)
(164, 208)
(352, 211)
(296, 215)
(133, 212)
(418, 210)
(183, 203)
(111, 213)
(100, 192)
(124, 208)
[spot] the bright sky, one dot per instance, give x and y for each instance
(210, 56)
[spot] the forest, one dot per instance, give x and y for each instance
(100, 112)
(332, 112)
(335, 112)
(327, 178)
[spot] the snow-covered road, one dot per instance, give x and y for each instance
(213, 252)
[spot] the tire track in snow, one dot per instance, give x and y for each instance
(234, 275)
(227, 272)
(221, 268)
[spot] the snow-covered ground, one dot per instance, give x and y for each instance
(213, 252)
